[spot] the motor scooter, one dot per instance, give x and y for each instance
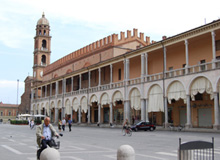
(55, 143)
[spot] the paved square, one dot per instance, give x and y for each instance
(93, 143)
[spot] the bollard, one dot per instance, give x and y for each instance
(50, 154)
(125, 152)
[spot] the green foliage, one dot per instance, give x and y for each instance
(19, 122)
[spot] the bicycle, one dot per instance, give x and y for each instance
(126, 130)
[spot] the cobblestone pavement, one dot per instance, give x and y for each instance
(93, 143)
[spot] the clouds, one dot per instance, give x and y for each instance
(75, 24)
(8, 91)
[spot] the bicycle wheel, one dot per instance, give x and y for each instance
(129, 132)
(123, 132)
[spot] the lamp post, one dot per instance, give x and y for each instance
(17, 90)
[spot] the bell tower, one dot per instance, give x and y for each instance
(42, 50)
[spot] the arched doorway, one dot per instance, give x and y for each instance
(202, 104)
(176, 96)
(105, 111)
(75, 110)
(118, 108)
(52, 112)
(94, 109)
(84, 109)
(67, 109)
(135, 99)
(155, 105)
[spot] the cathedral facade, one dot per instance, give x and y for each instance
(173, 81)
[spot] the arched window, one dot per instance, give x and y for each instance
(39, 32)
(44, 32)
(44, 44)
(43, 60)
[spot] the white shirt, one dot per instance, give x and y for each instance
(47, 132)
(63, 122)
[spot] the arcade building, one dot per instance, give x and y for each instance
(173, 81)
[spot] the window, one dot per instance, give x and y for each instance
(202, 67)
(44, 32)
(43, 60)
(184, 65)
(119, 74)
(9, 113)
(1, 113)
(104, 73)
(85, 76)
(171, 72)
(217, 45)
(198, 97)
(44, 43)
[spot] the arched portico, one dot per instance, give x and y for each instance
(104, 111)
(117, 108)
(75, 104)
(135, 104)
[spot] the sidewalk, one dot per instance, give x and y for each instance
(158, 128)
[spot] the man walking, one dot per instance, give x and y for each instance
(63, 124)
(70, 124)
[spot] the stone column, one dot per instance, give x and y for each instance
(147, 118)
(79, 115)
(64, 85)
(188, 110)
(213, 50)
(216, 125)
(111, 67)
(89, 79)
(99, 76)
(80, 81)
(187, 56)
(111, 112)
(88, 114)
(166, 113)
(127, 69)
(165, 59)
(56, 116)
(143, 109)
(72, 80)
(127, 110)
(57, 88)
(124, 70)
(71, 114)
(142, 65)
(99, 113)
(146, 64)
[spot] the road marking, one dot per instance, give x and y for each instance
(71, 157)
(11, 149)
(110, 156)
(108, 149)
(167, 154)
(142, 155)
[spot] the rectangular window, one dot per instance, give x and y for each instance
(184, 65)
(202, 67)
(85, 77)
(1, 113)
(9, 113)
(119, 74)
(171, 73)
(217, 45)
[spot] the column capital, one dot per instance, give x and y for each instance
(186, 42)
(213, 33)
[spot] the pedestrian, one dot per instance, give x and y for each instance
(59, 125)
(70, 124)
(63, 124)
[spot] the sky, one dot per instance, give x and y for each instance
(75, 24)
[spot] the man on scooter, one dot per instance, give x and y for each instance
(44, 134)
